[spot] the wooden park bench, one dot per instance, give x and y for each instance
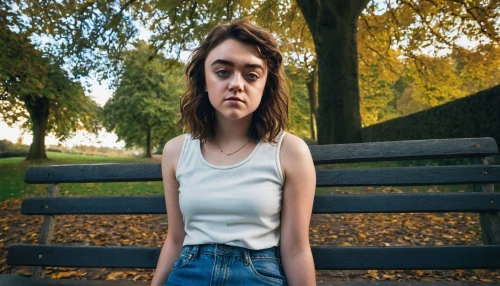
(483, 200)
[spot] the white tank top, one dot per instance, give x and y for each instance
(237, 205)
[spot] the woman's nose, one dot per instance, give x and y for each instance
(236, 84)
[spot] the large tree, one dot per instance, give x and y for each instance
(39, 94)
(143, 110)
(334, 25)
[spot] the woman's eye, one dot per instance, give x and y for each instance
(221, 72)
(253, 76)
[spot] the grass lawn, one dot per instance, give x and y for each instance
(12, 178)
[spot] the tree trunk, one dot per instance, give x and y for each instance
(148, 142)
(38, 108)
(311, 84)
(333, 25)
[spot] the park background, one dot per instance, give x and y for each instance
(359, 71)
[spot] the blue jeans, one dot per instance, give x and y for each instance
(219, 264)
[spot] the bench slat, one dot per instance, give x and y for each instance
(83, 256)
(403, 150)
(407, 203)
(409, 176)
(433, 175)
(91, 173)
(364, 203)
(426, 257)
(325, 257)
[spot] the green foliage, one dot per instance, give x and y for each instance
(146, 100)
(82, 35)
(22, 68)
(38, 93)
(437, 25)
(299, 103)
(70, 110)
(410, 59)
(436, 80)
(478, 69)
(423, 81)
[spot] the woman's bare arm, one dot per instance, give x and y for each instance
(175, 237)
(298, 197)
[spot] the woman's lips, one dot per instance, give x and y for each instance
(236, 99)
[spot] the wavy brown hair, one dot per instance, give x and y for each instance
(198, 115)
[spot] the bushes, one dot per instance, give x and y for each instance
(15, 153)
(9, 149)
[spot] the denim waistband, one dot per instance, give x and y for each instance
(228, 250)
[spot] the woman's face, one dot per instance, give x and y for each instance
(235, 78)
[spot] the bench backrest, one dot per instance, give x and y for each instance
(483, 200)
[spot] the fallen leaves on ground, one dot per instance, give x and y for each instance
(326, 229)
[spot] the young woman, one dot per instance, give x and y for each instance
(239, 189)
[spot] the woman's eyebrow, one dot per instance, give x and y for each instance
(223, 62)
(254, 66)
(231, 64)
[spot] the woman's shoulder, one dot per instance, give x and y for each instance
(295, 157)
(175, 143)
(172, 149)
(293, 145)
(294, 150)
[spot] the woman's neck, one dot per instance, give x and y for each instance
(232, 130)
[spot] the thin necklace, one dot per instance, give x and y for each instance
(231, 152)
